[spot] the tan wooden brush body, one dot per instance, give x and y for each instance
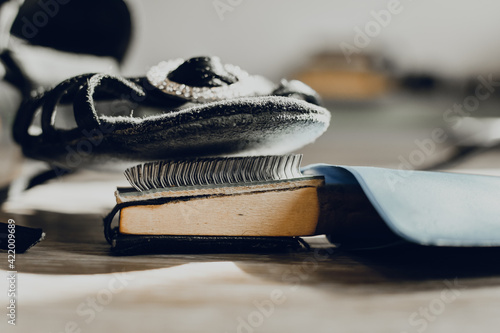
(282, 208)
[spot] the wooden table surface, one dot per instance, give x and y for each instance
(326, 289)
(71, 283)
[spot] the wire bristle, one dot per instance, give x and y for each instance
(213, 171)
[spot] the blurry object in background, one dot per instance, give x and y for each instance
(25, 237)
(477, 132)
(473, 137)
(419, 82)
(94, 27)
(9, 152)
(484, 87)
(426, 82)
(329, 73)
(51, 41)
(9, 101)
(8, 12)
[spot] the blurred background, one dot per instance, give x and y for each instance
(453, 39)
(389, 71)
(410, 84)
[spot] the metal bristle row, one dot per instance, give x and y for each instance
(213, 171)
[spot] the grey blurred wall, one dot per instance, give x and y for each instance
(454, 38)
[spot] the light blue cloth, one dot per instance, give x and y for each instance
(428, 208)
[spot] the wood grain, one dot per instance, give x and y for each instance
(293, 212)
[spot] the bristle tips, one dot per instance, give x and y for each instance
(213, 171)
